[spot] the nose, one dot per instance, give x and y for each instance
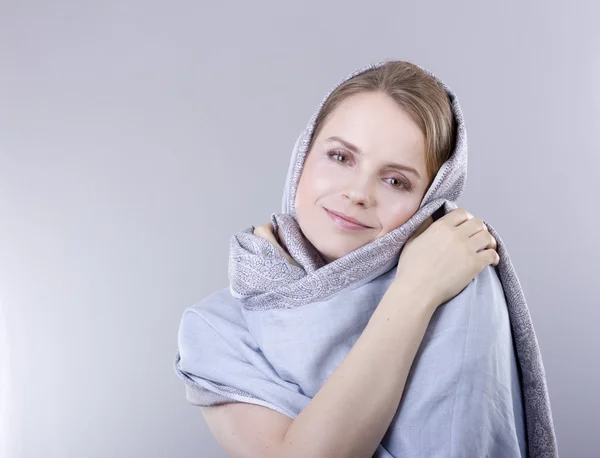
(360, 192)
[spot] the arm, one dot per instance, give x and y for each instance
(350, 414)
(352, 411)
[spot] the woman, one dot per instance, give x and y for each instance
(367, 318)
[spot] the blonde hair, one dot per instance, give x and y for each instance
(415, 91)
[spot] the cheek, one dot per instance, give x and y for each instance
(315, 182)
(305, 193)
(397, 213)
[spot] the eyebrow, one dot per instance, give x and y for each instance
(355, 150)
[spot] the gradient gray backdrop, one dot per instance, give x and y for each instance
(137, 137)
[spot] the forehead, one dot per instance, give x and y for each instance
(377, 125)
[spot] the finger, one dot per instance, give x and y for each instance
(263, 229)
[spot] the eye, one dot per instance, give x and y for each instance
(401, 183)
(337, 156)
(397, 183)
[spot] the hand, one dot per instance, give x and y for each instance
(441, 258)
(265, 231)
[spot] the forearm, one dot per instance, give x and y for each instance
(350, 414)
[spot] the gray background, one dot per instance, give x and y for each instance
(137, 137)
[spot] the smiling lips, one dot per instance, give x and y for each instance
(346, 222)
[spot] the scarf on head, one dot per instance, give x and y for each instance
(287, 319)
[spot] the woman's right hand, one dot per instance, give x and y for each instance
(441, 258)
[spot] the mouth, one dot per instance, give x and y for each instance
(346, 222)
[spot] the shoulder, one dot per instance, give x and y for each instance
(220, 307)
(210, 323)
(472, 331)
(481, 307)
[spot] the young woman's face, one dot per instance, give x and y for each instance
(369, 183)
